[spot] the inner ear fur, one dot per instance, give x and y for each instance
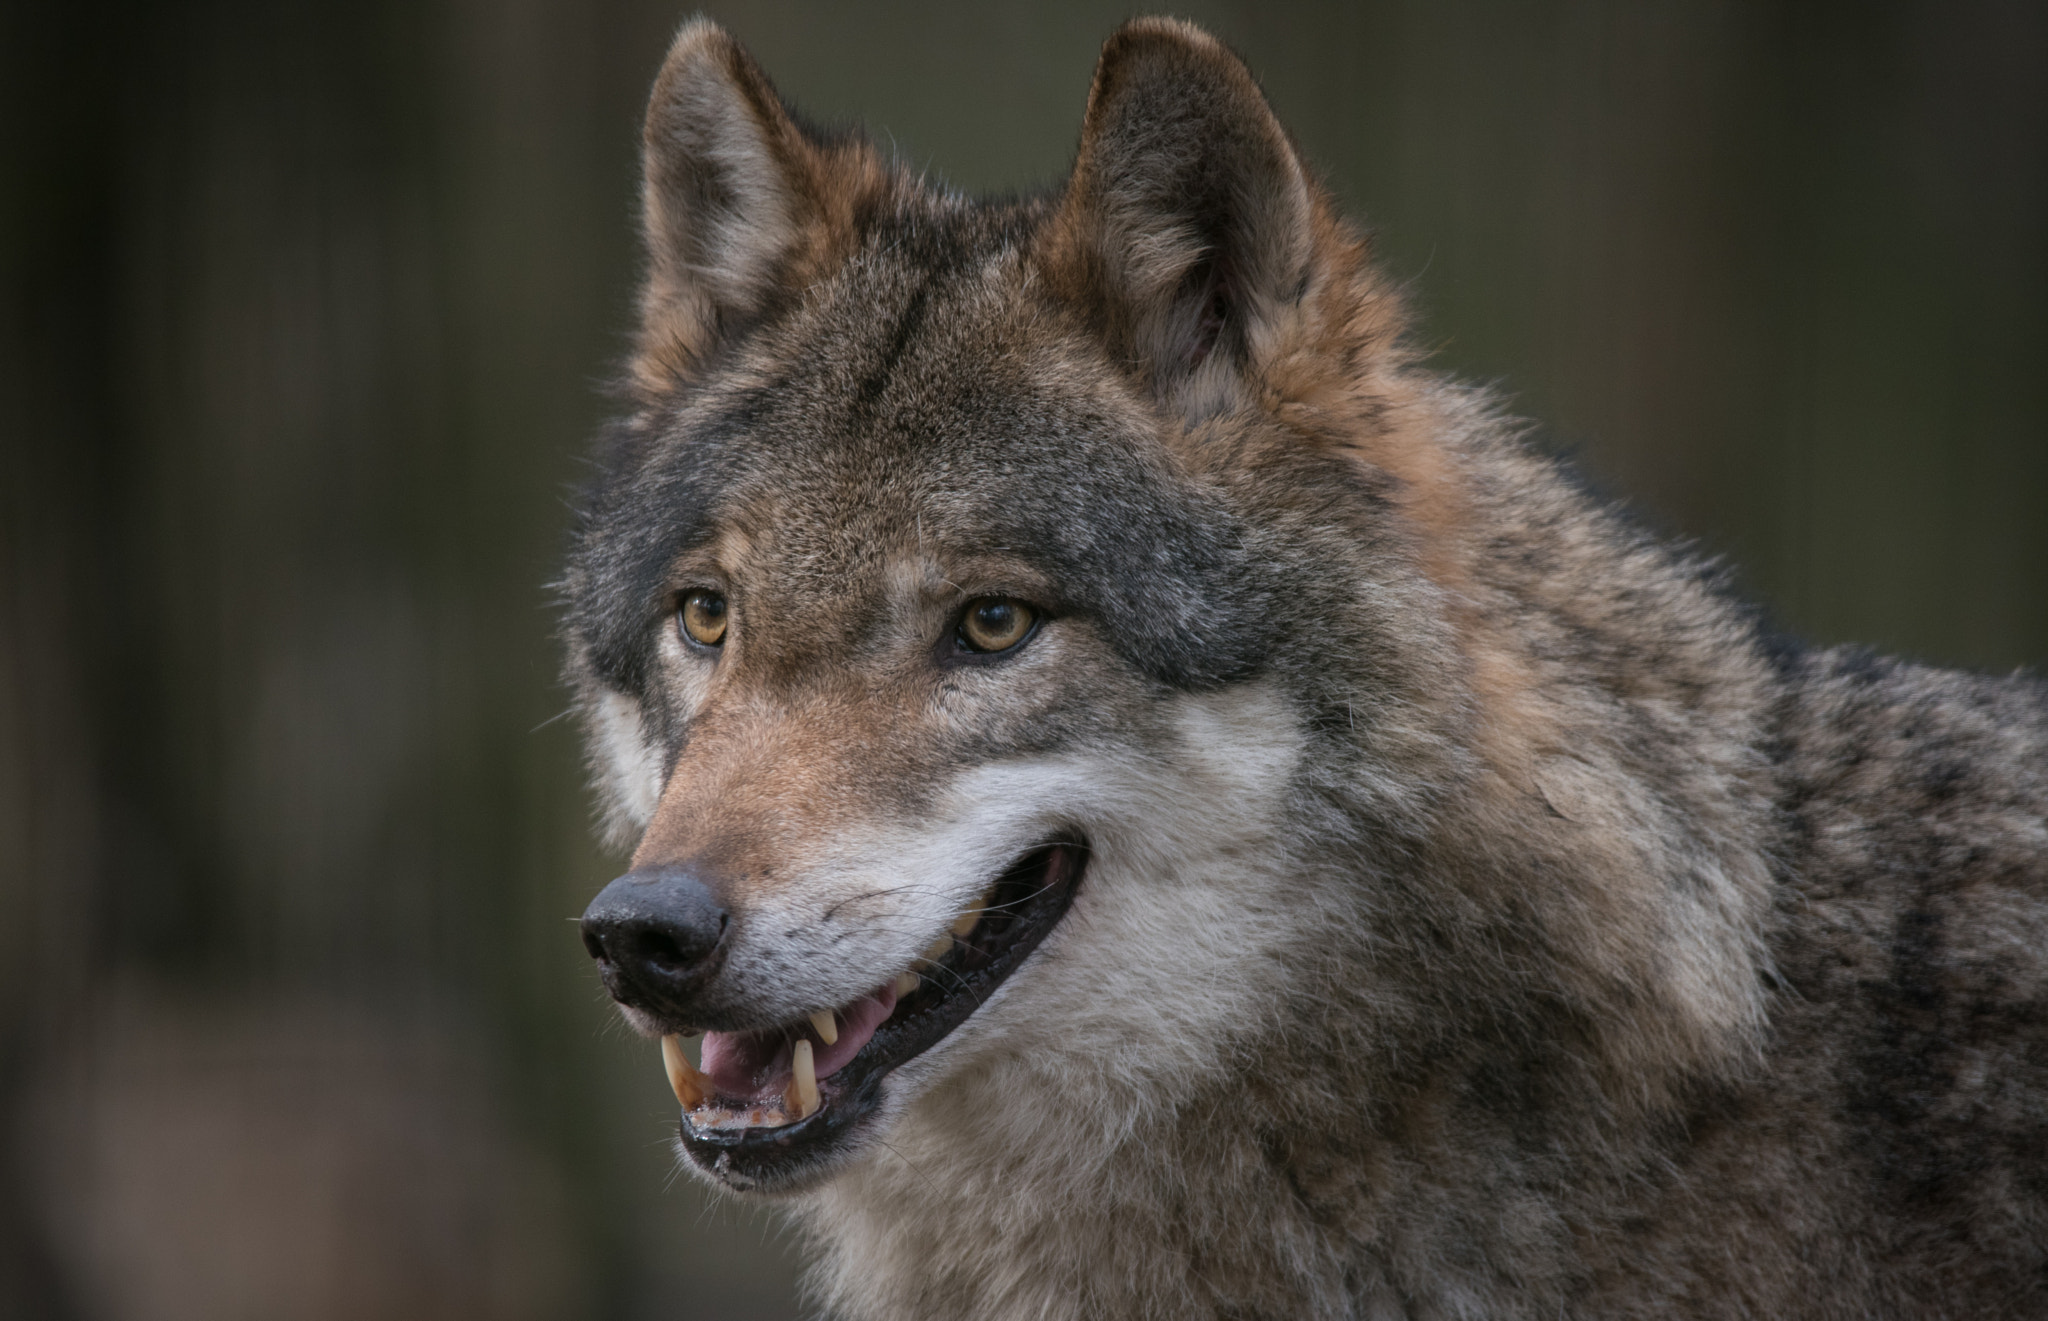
(738, 201)
(1188, 228)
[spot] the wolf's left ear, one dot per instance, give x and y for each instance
(734, 197)
(1187, 227)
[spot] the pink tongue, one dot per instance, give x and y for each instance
(754, 1066)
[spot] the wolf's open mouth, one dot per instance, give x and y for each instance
(765, 1100)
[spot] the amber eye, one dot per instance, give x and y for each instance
(703, 616)
(995, 623)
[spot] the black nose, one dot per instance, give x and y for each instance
(657, 936)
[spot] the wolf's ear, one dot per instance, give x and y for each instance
(1187, 228)
(730, 193)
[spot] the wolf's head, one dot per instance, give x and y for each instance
(929, 612)
(1011, 631)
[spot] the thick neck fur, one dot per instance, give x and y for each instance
(1509, 1003)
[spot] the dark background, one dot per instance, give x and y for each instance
(306, 309)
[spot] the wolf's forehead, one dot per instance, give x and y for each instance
(917, 403)
(931, 484)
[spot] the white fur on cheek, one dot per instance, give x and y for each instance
(629, 762)
(1166, 916)
(1160, 975)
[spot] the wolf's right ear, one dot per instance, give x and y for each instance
(733, 195)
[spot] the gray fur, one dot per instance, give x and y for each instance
(1486, 921)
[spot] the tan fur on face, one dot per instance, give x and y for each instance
(767, 788)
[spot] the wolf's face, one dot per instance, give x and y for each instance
(927, 614)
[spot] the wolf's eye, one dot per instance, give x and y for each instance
(703, 617)
(995, 623)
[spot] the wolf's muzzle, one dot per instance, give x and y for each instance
(658, 935)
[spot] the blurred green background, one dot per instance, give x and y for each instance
(307, 306)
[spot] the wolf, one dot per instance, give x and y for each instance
(1161, 805)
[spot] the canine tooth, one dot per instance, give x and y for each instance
(906, 982)
(937, 950)
(682, 1075)
(803, 1083)
(827, 1024)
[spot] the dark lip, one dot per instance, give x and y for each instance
(1031, 897)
